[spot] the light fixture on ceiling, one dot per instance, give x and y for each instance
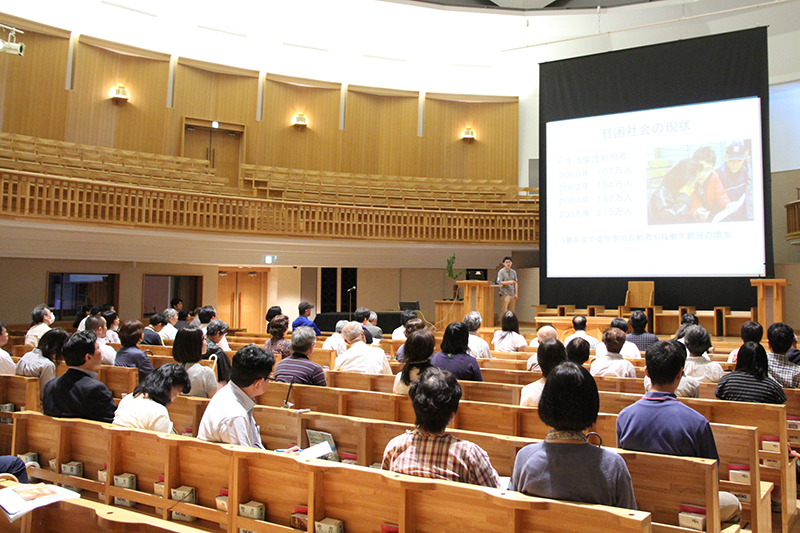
(11, 46)
(119, 94)
(468, 135)
(299, 121)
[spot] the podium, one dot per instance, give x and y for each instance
(478, 296)
(771, 304)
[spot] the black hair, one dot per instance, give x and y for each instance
(550, 354)
(407, 315)
(183, 314)
(78, 346)
(51, 344)
(577, 351)
(361, 314)
(506, 258)
(106, 307)
(272, 312)
(418, 349)
(110, 316)
(206, 314)
(697, 340)
(570, 400)
(158, 385)
(664, 360)
(130, 333)
(619, 323)
(638, 322)
(579, 322)
(691, 319)
(175, 301)
(158, 320)
(37, 315)
(510, 322)
(705, 155)
(435, 398)
(752, 359)
(456, 338)
(188, 345)
(780, 337)
(250, 364)
(82, 313)
(751, 331)
(93, 322)
(95, 310)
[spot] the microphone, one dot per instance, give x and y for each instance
(351, 288)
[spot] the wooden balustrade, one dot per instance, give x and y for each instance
(37, 196)
(793, 221)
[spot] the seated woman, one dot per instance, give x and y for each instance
(146, 408)
(578, 351)
(277, 345)
(455, 357)
(750, 381)
(551, 354)
(508, 338)
(428, 451)
(419, 346)
(41, 361)
(131, 334)
(672, 202)
(112, 327)
(698, 366)
(415, 324)
(188, 349)
(565, 466)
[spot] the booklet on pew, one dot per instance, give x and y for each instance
(317, 437)
(17, 500)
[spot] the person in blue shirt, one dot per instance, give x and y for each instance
(304, 308)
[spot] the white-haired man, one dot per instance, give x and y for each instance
(361, 357)
(336, 341)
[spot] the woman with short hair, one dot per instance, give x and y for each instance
(277, 345)
(565, 466)
(130, 334)
(415, 324)
(188, 350)
(750, 382)
(146, 408)
(41, 361)
(455, 357)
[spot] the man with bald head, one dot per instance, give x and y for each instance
(544, 333)
(361, 357)
(579, 324)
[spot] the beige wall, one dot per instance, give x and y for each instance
(379, 288)
(284, 290)
(528, 294)
(784, 190)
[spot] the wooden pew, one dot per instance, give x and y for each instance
(24, 393)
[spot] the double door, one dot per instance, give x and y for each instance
(221, 147)
(241, 300)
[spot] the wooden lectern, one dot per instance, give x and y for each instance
(770, 291)
(479, 296)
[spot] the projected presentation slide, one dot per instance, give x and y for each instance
(664, 192)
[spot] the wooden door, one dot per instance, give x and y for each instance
(226, 298)
(225, 150)
(251, 301)
(197, 142)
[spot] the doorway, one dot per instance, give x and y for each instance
(221, 146)
(242, 297)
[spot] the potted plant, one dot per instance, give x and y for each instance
(452, 274)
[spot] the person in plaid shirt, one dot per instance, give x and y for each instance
(786, 373)
(427, 451)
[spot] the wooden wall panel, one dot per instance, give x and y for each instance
(279, 144)
(380, 135)
(34, 98)
(492, 155)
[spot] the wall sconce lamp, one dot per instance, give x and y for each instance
(119, 94)
(468, 135)
(299, 121)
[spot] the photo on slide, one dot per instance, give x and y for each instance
(700, 184)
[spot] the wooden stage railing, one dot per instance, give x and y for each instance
(54, 198)
(793, 221)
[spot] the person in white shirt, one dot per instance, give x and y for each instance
(189, 347)
(612, 363)
(698, 341)
(7, 365)
(228, 417)
(41, 361)
(508, 338)
(478, 348)
(112, 326)
(629, 350)
(206, 315)
(551, 354)
(361, 357)
(169, 330)
(544, 333)
(579, 324)
(336, 341)
(146, 407)
(97, 324)
(399, 333)
(41, 318)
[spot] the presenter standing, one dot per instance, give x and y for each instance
(509, 289)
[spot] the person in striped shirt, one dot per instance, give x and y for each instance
(297, 368)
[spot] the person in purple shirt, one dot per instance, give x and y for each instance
(130, 334)
(454, 356)
(304, 308)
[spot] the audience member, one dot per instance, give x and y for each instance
(206, 315)
(112, 326)
(7, 365)
(216, 331)
(372, 326)
(698, 341)
(612, 363)
(97, 324)
(41, 318)
(361, 315)
(93, 311)
(780, 337)
(176, 304)
(183, 321)
(579, 325)
(415, 324)
(228, 417)
(681, 431)
(578, 351)
(78, 393)
(194, 317)
(629, 350)
(641, 338)
(427, 451)
(455, 357)
(399, 334)
(130, 334)
(304, 308)
(508, 339)
(750, 382)
(336, 341)
(272, 312)
(551, 354)
(169, 330)
(14, 466)
(277, 345)
(83, 312)
(793, 354)
(688, 387)
(188, 350)
(146, 407)
(41, 361)
(361, 357)
(750, 332)
(544, 333)
(150, 335)
(297, 367)
(565, 466)
(478, 348)
(418, 357)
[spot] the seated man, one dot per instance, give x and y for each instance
(629, 350)
(544, 333)
(372, 326)
(78, 393)
(399, 334)
(579, 323)
(151, 332)
(361, 315)
(215, 333)
(688, 386)
(361, 357)
(478, 347)
(680, 429)
(304, 308)
(336, 341)
(205, 315)
(698, 341)
(97, 324)
(297, 368)
(41, 318)
(641, 338)
(428, 451)
(780, 337)
(228, 417)
(612, 363)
